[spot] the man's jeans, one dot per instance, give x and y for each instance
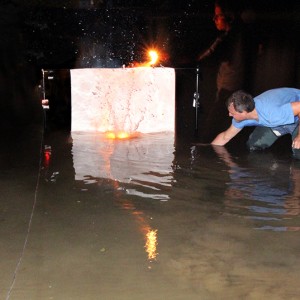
(264, 137)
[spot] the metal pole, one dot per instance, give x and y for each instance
(43, 84)
(196, 100)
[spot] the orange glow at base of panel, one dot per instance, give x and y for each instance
(121, 135)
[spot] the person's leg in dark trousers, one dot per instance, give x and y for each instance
(261, 138)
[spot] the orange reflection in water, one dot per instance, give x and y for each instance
(47, 156)
(120, 135)
(151, 244)
(117, 135)
(150, 235)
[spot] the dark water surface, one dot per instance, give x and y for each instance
(146, 218)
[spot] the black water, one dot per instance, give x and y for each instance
(147, 217)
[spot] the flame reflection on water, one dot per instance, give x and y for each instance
(151, 244)
(137, 167)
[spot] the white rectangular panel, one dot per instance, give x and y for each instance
(125, 99)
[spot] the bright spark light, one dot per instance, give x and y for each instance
(153, 57)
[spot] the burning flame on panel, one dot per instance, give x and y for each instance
(154, 58)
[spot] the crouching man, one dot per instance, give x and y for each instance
(275, 113)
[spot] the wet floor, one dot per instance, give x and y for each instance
(83, 217)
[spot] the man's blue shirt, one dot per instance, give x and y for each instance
(273, 108)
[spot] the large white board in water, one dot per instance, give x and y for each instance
(124, 99)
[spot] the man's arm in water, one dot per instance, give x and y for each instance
(224, 137)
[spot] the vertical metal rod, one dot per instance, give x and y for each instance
(196, 100)
(43, 84)
(45, 104)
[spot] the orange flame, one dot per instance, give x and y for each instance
(154, 58)
(153, 54)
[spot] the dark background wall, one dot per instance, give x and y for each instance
(50, 35)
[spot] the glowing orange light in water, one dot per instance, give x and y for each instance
(150, 235)
(117, 135)
(151, 244)
(121, 135)
(47, 156)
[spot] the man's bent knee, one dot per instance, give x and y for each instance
(261, 138)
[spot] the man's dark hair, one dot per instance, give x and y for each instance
(230, 6)
(241, 101)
